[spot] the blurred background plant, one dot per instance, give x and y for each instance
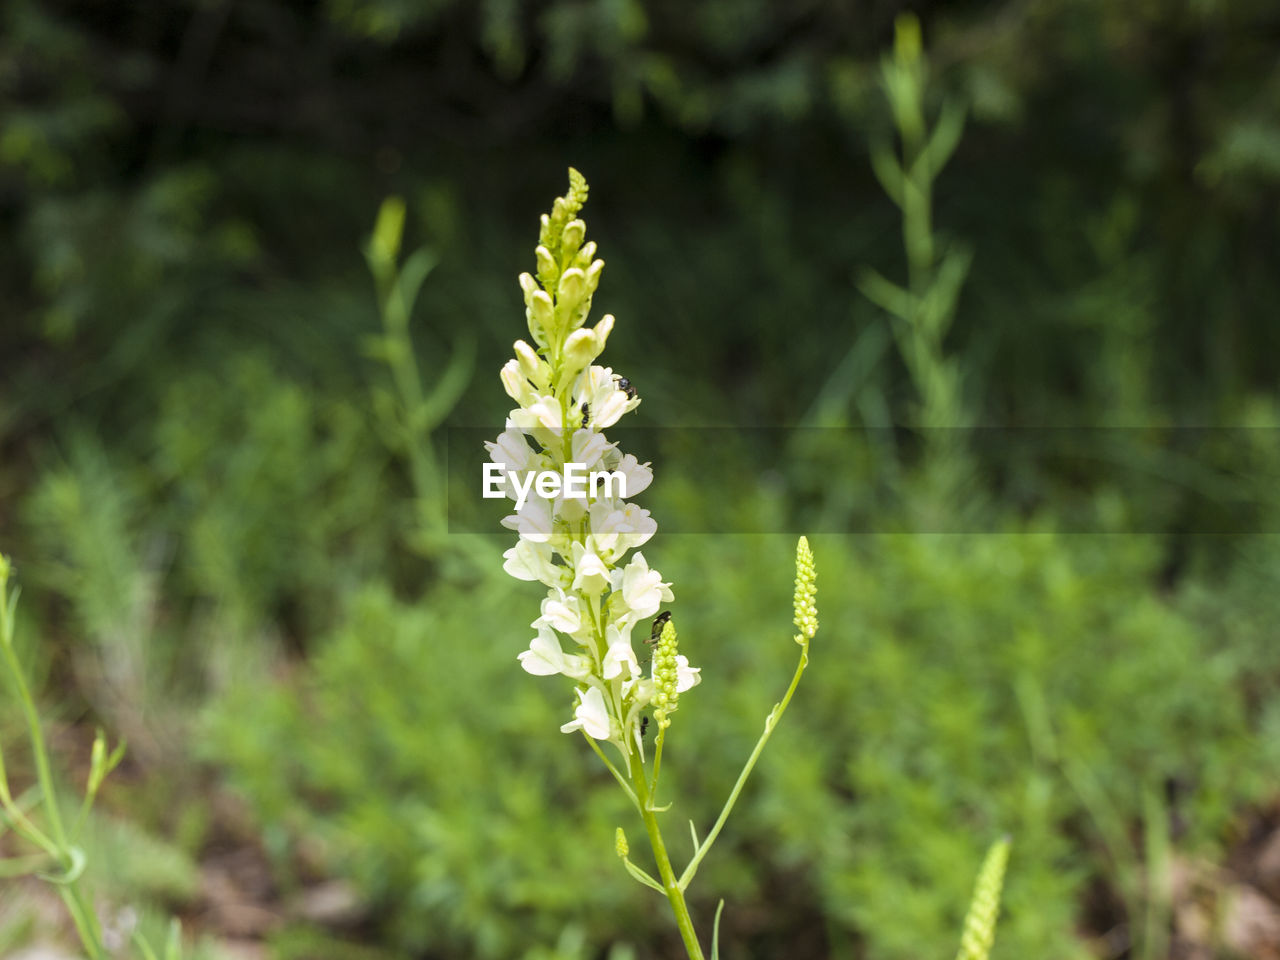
(39, 818)
(214, 433)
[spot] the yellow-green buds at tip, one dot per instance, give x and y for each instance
(563, 210)
(620, 844)
(558, 300)
(980, 923)
(806, 593)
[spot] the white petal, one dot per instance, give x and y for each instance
(638, 474)
(686, 676)
(589, 448)
(590, 715)
(544, 658)
(529, 560)
(619, 655)
(591, 574)
(533, 522)
(609, 410)
(560, 610)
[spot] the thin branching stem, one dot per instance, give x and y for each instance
(769, 724)
(672, 887)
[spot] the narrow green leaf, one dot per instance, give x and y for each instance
(643, 877)
(413, 274)
(173, 947)
(886, 294)
(945, 137)
(887, 170)
(141, 943)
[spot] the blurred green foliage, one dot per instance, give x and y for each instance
(963, 685)
(220, 528)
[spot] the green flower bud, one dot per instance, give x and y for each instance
(548, 272)
(593, 276)
(666, 677)
(585, 255)
(573, 287)
(577, 190)
(574, 233)
(532, 365)
(806, 608)
(602, 331)
(541, 314)
(516, 383)
(620, 844)
(579, 350)
(554, 227)
(980, 924)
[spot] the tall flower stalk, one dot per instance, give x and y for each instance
(582, 543)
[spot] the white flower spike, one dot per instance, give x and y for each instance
(577, 545)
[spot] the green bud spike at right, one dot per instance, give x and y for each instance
(806, 593)
(980, 924)
(666, 676)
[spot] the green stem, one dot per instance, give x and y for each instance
(85, 920)
(670, 885)
(21, 866)
(14, 815)
(43, 774)
(770, 722)
(622, 781)
(657, 758)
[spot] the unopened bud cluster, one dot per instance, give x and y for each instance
(806, 597)
(980, 924)
(666, 676)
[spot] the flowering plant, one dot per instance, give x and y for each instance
(578, 543)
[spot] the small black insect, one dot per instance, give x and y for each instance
(586, 415)
(623, 384)
(644, 725)
(660, 621)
